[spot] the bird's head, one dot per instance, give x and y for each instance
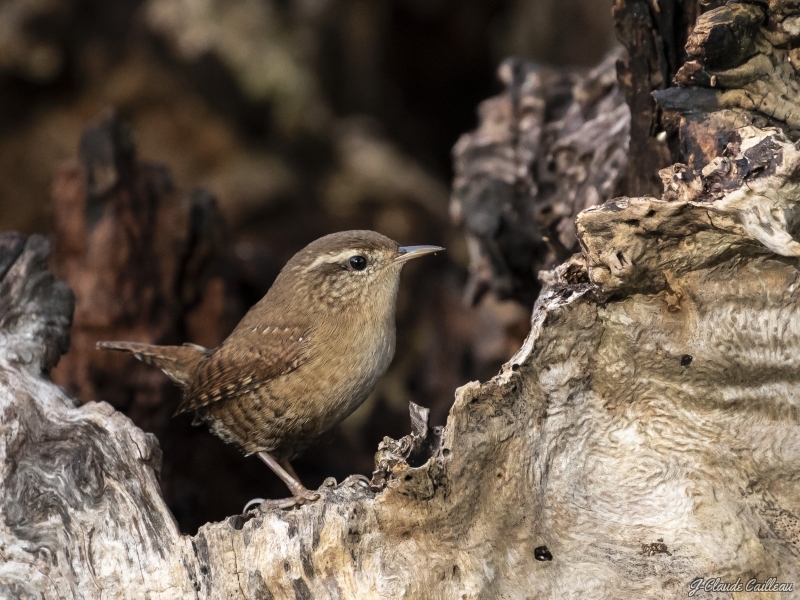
(348, 269)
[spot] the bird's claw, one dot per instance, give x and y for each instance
(253, 503)
(303, 496)
(360, 480)
(355, 480)
(267, 504)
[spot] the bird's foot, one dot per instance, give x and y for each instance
(252, 504)
(297, 500)
(286, 473)
(362, 480)
(302, 495)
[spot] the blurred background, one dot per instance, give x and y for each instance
(294, 119)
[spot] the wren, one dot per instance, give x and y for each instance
(303, 358)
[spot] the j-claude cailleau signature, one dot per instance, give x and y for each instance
(715, 584)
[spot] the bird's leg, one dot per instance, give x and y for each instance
(300, 493)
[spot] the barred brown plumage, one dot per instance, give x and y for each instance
(303, 358)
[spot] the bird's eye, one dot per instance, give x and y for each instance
(359, 263)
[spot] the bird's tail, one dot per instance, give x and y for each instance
(178, 362)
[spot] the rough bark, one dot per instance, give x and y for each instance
(741, 69)
(647, 433)
(654, 33)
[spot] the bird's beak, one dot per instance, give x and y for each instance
(405, 253)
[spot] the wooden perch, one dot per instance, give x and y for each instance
(646, 434)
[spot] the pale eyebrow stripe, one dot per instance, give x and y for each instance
(332, 258)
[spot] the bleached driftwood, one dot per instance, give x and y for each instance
(646, 434)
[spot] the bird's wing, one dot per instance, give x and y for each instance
(250, 360)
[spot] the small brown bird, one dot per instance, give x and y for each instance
(303, 358)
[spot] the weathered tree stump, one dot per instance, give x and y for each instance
(741, 69)
(646, 437)
(646, 434)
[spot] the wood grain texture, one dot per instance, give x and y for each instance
(647, 433)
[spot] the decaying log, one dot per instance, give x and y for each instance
(646, 434)
(552, 144)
